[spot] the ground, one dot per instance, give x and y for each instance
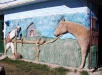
(20, 67)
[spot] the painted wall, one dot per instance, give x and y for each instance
(46, 16)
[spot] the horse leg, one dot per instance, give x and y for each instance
(84, 49)
(83, 54)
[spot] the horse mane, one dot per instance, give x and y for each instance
(62, 18)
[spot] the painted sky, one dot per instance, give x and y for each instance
(47, 19)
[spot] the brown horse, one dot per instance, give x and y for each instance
(82, 34)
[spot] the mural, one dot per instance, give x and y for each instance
(39, 33)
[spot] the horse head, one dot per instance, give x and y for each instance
(61, 28)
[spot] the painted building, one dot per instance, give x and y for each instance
(39, 18)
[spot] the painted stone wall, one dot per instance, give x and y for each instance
(65, 51)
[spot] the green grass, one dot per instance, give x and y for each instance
(84, 73)
(15, 67)
(61, 70)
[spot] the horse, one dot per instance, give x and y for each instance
(81, 33)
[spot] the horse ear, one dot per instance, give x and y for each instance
(63, 19)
